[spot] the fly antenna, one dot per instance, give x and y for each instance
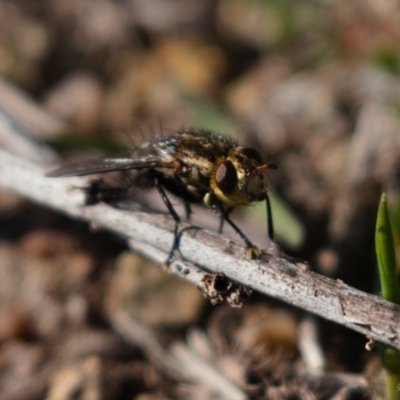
(264, 167)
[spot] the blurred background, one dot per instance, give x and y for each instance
(313, 84)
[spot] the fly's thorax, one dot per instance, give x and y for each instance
(238, 179)
(195, 172)
(190, 176)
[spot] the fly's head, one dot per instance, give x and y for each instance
(240, 178)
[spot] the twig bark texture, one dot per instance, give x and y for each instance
(152, 233)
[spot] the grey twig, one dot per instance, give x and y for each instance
(152, 235)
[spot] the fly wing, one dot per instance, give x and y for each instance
(91, 167)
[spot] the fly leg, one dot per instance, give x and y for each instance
(188, 210)
(175, 216)
(186, 204)
(222, 219)
(303, 264)
(270, 223)
(252, 251)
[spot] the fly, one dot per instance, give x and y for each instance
(197, 166)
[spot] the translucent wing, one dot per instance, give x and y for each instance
(90, 167)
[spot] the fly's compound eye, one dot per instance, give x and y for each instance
(226, 177)
(253, 154)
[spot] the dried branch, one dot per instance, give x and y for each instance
(179, 361)
(151, 234)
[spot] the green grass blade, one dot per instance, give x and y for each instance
(385, 253)
(386, 256)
